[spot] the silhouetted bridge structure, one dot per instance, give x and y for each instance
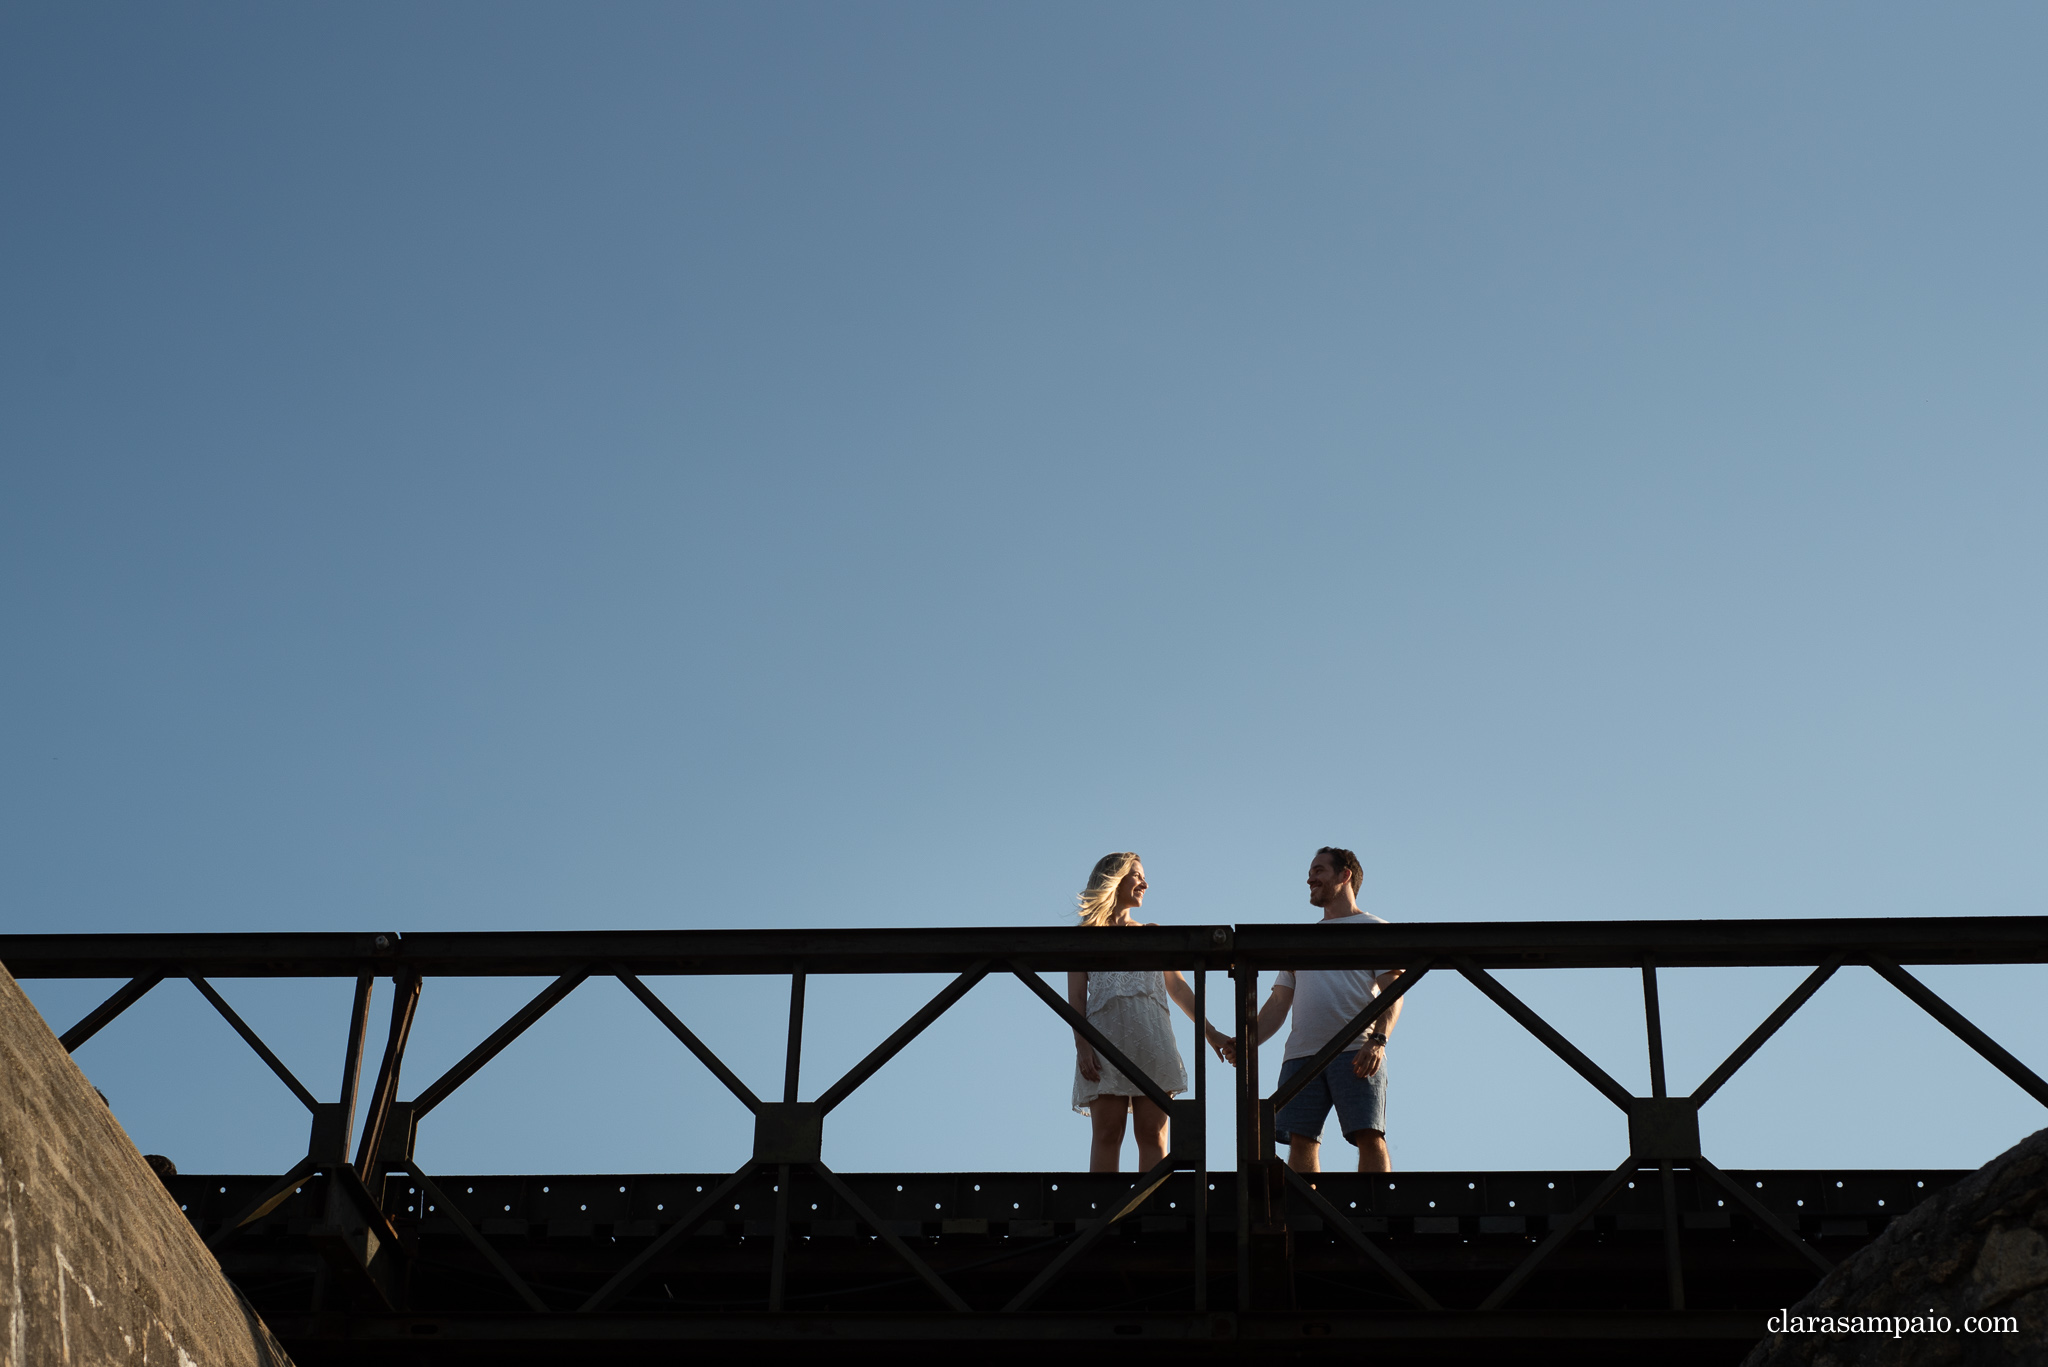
(365, 1257)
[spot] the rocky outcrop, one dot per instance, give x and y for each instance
(1960, 1279)
(97, 1263)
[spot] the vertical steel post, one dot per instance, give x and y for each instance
(352, 1062)
(796, 1035)
(1674, 1270)
(1244, 985)
(384, 1092)
(779, 1261)
(1201, 1216)
(1654, 1019)
(338, 1208)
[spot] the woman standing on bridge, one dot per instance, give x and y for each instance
(1130, 1009)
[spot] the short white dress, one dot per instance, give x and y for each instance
(1134, 1012)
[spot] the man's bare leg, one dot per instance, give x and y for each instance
(1304, 1153)
(1106, 1138)
(1372, 1151)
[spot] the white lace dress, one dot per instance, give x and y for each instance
(1134, 1012)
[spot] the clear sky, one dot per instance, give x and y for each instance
(513, 466)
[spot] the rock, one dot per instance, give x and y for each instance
(1960, 1279)
(97, 1263)
(2011, 1261)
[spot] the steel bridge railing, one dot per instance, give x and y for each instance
(1663, 1130)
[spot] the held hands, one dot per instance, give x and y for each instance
(1091, 1066)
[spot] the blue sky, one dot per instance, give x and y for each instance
(506, 466)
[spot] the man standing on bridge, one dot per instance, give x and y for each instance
(1324, 1001)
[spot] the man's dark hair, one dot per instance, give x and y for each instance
(1345, 862)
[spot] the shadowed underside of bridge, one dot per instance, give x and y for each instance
(1600, 1295)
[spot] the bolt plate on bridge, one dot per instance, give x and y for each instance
(789, 1132)
(1663, 1128)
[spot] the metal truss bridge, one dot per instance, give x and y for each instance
(368, 1258)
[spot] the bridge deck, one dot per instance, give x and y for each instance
(1457, 1235)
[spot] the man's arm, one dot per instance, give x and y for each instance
(1367, 1061)
(1386, 981)
(1274, 1011)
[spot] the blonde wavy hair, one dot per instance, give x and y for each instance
(1098, 900)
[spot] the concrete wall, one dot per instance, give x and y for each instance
(97, 1263)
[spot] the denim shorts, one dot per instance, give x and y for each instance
(1361, 1102)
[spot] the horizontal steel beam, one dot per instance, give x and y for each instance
(654, 953)
(256, 955)
(1670, 944)
(642, 953)
(923, 1201)
(1123, 1330)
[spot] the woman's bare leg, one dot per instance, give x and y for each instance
(1106, 1143)
(1148, 1125)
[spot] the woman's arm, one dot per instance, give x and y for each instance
(1184, 997)
(1084, 1052)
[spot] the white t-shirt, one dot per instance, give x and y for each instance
(1326, 999)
